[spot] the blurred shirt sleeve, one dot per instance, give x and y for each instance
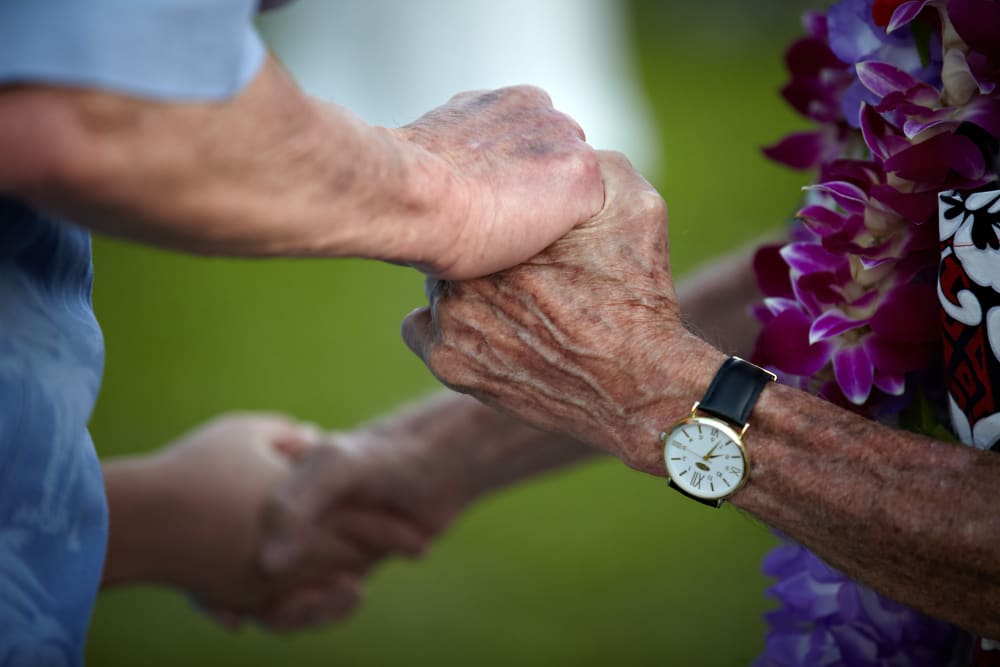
(162, 49)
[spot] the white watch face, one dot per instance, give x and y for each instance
(705, 458)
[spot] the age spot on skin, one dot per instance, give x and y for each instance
(538, 148)
(487, 99)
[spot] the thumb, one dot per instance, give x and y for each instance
(418, 333)
(297, 442)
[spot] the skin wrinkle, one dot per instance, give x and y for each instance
(548, 355)
(272, 171)
(915, 546)
(904, 514)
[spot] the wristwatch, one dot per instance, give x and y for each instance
(704, 454)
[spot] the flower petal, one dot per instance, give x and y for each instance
(821, 219)
(931, 161)
(772, 272)
(905, 13)
(816, 291)
(890, 383)
(848, 196)
(976, 22)
(984, 112)
(896, 358)
(833, 323)
(916, 207)
(784, 344)
(883, 79)
(811, 257)
(909, 314)
(879, 136)
(799, 150)
(852, 367)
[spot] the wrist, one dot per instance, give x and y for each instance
(678, 370)
(139, 539)
(441, 201)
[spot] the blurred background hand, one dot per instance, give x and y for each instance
(189, 516)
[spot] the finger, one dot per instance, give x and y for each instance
(324, 548)
(532, 95)
(355, 539)
(296, 442)
(379, 533)
(619, 174)
(418, 332)
(289, 515)
(313, 605)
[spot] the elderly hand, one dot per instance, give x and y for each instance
(190, 516)
(426, 462)
(576, 339)
(525, 176)
(410, 465)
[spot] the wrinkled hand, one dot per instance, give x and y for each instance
(573, 339)
(219, 479)
(395, 467)
(525, 174)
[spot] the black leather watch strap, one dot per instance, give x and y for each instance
(704, 501)
(734, 390)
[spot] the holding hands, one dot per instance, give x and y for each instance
(281, 522)
(522, 176)
(191, 516)
(573, 340)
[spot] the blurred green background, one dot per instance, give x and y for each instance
(595, 566)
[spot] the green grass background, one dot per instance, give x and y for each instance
(595, 566)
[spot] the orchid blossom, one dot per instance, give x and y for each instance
(905, 97)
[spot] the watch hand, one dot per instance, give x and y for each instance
(708, 454)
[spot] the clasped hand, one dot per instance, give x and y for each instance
(576, 339)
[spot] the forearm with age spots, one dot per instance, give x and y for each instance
(485, 450)
(270, 172)
(912, 517)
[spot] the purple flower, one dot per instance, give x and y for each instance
(855, 39)
(866, 249)
(825, 618)
(906, 104)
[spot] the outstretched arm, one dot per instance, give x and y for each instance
(432, 459)
(428, 462)
(188, 516)
(479, 184)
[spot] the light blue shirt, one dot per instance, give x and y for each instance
(53, 512)
(169, 49)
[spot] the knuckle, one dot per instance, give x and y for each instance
(528, 93)
(583, 167)
(649, 203)
(617, 158)
(467, 96)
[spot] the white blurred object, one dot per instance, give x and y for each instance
(389, 61)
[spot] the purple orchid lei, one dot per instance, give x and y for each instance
(906, 102)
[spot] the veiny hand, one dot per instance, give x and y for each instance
(525, 174)
(574, 339)
(215, 484)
